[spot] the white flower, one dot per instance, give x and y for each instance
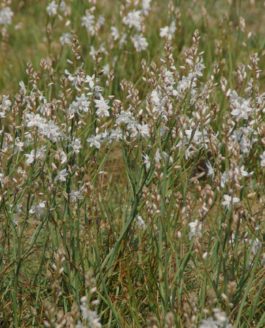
(195, 229)
(133, 19)
(106, 69)
(97, 140)
(95, 52)
(256, 245)
(234, 174)
(2, 178)
(80, 105)
(115, 135)
(6, 15)
(76, 79)
(262, 158)
(30, 157)
(139, 42)
(66, 39)
(19, 145)
(157, 156)
(52, 9)
(51, 131)
(102, 107)
(228, 201)
(61, 176)
(90, 80)
(46, 128)
(61, 156)
(22, 88)
(168, 31)
(158, 103)
(168, 77)
(76, 195)
(146, 5)
(196, 136)
(123, 40)
(5, 106)
(143, 130)
(220, 320)
(240, 107)
(140, 222)
(188, 83)
(220, 316)
(90, 316)
(244, 173)
(6, 103)
(100, 22)
(76, 145)
(125, 118)
(147, 161)
(156, 99)
(210, 169)
(115, 33)
(38, 209)
(64, 9)
(35, 154)
(225, 178)
(208, 323)
(88, 21)
(245, 137)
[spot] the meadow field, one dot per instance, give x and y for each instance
(132, 163)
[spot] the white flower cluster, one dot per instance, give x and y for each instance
(245, 137)
(219, 320)
(5, 106)
(195, 229)
(146, 6)
(90, 318)
(35, 154)
(106, 136)
(54, 8)
(140, 43)
(134, 128)
(38, 209)
(46, 128)
(229, 201)
(66, 39)
(241, 108)
(234, 175)
(91, 24)
(80, 80)
(102, 107)
(188, 83)
(134, 20)
(61, 176)
(168, 32)
(79, 105)
(6, 16)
